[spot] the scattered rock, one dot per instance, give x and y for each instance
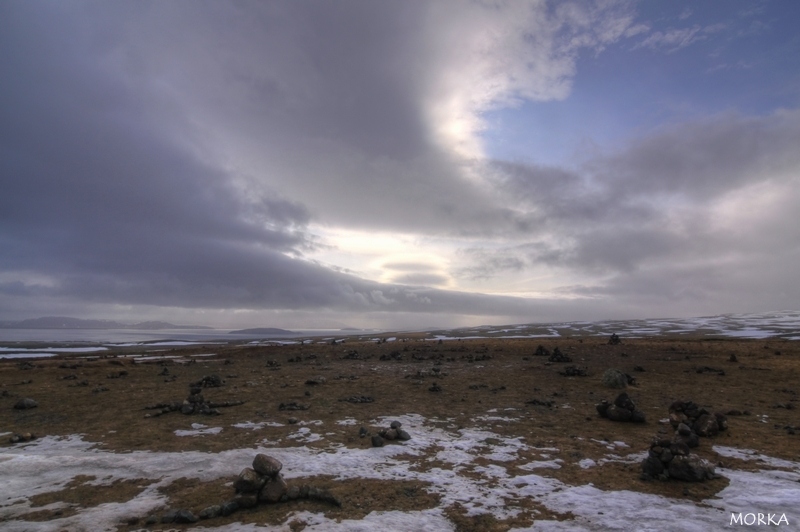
(208, 381)
(293, 406)
(667, 459)
(21, 438)
(573, 371)
(356, 399)
(614, 378)
(622, 409)
(25, 403)
(558, 356)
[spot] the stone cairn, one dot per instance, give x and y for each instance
(260, 484)
(622, 409)
(671, 458)
(195, 403)
(263, 483)
(394, 432)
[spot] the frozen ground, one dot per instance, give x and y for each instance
(438, 453)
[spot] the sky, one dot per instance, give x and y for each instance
(313, 164)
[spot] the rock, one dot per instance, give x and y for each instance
(244, 501)
(316, 381)
(602, 408)
(614, 378)
(706, 425)
(691, 468)
(615, 413)
(614, 340)
(228, 508)
(652, 466)
(395, 425)
(390, 434)
(684, 429)
(248, 481)
(273, 490)
(169, 516)
(558, 356)
(624, 401)
(210, 512)
(377, 441)
(293, 493)
(363, 432)
(637, 416)
(403, 435)
(185, 516)
(267, 465)
(25, 403)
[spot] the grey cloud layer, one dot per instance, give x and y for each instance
(176, 154)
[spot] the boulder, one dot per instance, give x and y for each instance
(267, 465)
(614, 378)
(248, 481)
(273, 490)
(25, 403)
(691, 468)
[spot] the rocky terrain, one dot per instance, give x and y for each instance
(403, 433)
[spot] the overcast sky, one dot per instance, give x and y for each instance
(398, 164)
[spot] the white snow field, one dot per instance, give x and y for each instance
(49, 463)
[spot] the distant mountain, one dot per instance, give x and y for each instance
(61, 322)
(263, 330)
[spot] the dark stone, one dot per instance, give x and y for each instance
(185, 516)
(390, 434)
(248, 481)
(273, 490)
(228, 508)
(396, 425)
(25, 403)
(602, 408)
(706, 425)
(249, 500)
(691, 468)
(210, 512)
(169, 516)
(652, 466)
(267, 465)
(624, 401)
(403, 435)
(637, 416)
(362, 432)
(377, 441)
(615, 413)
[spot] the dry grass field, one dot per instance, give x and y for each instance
(495, 388)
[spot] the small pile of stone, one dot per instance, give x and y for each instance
(573, 371)
(208, 381)
(622, 409)
(691, 421)
(293, 406)
(541, 351)
(394, 432)
(263, 483)
(358, 399)
(614, 340)
(558, 356)
(314, 381)
(194, 404)
(671, 459)
(21, 438)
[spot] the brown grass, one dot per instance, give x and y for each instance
(761, 380)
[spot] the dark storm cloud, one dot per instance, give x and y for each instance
(174, 154)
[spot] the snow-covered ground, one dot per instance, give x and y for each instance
(443, 457)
